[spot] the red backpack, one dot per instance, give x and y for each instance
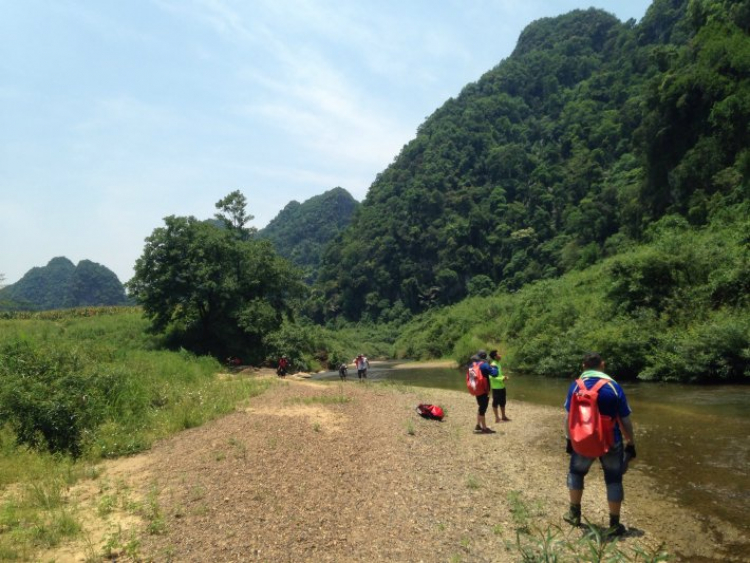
(432, 412)
(476, 382)
(591, 433)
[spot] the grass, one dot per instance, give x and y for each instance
(410, 427)
(338, 399)
(472, 483)
(553, 544)
(123, 391)
(546, 543)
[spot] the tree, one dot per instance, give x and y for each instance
(211, 291)
(233, 215)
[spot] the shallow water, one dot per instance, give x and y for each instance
(695, 441)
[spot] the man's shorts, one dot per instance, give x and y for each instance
(483, 401)
(499, 397)
(613, 465)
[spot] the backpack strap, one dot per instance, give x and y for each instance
(595, 389)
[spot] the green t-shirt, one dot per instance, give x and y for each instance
(499, 381)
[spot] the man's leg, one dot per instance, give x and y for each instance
(579, 467)
(495, 403)
(613, 466)
(503, 401)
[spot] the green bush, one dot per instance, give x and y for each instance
(46, 399)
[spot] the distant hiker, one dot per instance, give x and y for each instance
(343, 371)
(497, 384)
(362, 366)
(597, 421)
(283, 366)
(234, 361)
(478, 366)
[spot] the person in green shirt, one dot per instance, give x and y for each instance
(497, 384)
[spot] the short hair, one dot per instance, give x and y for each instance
(482, 354)
(592, 360)
(493, 354)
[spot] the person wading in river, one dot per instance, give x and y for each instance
(613, 405)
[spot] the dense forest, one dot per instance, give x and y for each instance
(61, 284)
(562, 155)
(301, 231)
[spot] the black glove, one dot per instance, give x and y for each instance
(568, 447)
(627, 455)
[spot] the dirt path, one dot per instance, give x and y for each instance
(330, 472)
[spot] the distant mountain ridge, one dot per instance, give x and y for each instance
(301, 231)
(61, 285)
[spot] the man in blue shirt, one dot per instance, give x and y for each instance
(612, 403)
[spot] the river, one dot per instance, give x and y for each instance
(694, 441)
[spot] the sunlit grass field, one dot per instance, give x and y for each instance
(81, 385)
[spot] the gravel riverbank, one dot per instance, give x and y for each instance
(325, 471)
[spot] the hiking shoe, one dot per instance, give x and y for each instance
(477, 428)
(572, 518)
(615, 531)
(488, 431)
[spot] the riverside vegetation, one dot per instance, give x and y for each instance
(674, 309)
(81, 385)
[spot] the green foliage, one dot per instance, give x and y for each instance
(214, 290)
(677, 308)
(557, 158)
(301, 231)
(45, 398)
(60, 284)
(233, 215)
(310, 347)
(552, 544)
(97, 386)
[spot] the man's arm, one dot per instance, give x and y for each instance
(627, 430)
(488, 370)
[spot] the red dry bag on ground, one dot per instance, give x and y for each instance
(476, 382)
(592, 434)
(432, 412)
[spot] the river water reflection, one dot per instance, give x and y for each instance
(694, 441)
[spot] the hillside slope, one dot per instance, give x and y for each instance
(301, 231)
(559, 156)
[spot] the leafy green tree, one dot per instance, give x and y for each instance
(211, 291)
(233, 215)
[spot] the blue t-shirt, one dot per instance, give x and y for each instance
(487, 369)
(612, 400)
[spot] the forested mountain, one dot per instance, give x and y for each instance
(61, 284)
(561, 155)
(301, 231)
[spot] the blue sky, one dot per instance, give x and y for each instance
(117, 113)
